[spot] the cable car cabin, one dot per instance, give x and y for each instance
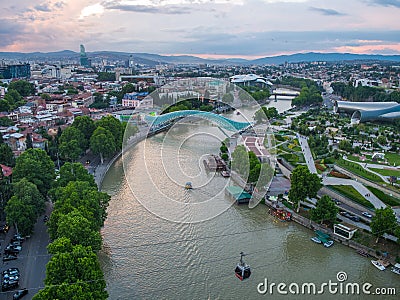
(242, 270)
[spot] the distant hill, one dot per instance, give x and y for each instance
(154, 59)
(328, 57)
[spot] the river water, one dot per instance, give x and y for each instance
(148, 257)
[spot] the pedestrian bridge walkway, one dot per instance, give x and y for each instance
(223, 122)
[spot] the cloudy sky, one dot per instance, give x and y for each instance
(208, 28)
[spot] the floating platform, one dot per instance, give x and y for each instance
(214, 163)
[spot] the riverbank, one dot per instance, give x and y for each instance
(308, 223)
(100, 170)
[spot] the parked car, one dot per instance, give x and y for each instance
(337, 202)
(10, 271)
(367, 214)
(345, 214)
(8, 257)
(9, 286)
(15, 243)
(11, 246)
(8, 277)
(45, 218)
(355, 218)
(19, 294)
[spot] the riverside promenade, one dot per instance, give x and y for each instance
(98, 169)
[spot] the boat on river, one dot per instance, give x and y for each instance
(316, 240)
(378, 265)
(396, 269)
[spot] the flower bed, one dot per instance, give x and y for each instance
(338, 174)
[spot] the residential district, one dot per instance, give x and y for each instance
(62, 121)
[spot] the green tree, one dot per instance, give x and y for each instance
(303, 184)
(115, 127)
(102, 142)
(74, 134)
(36, 166)
(325, 210)
(29, 194)
(73, 172)
(79, 195)
(23, 87)
(4, 121)
(85, 125)
(45, 97)
(382, 140)
(70, 150)
(346, 145)
(240, 161)
(29, 143)
(22, 214)
(383, 222)
(5, 192)
(76, 228)
(74, 275)
(227, 98)
(13, 98)
(5, 107)
(6, 155)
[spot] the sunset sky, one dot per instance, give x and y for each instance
(207, 28)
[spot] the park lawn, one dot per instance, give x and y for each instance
(393, 158)
(386, 172)
(351, 193)
(358, 170)
(387, 199)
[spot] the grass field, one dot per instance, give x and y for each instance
(353, 194)
(358, 170)
(393, 158)
(387, 199)
(386, 172)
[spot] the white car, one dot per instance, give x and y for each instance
(367, 214)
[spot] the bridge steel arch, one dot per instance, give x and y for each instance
(225, 123)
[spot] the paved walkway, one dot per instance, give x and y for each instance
(358, 186)
(337, 181)
(307, 153)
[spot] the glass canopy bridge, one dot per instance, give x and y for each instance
(160, 122)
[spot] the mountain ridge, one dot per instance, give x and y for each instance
(153, 59)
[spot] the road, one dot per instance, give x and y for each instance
(32, 259)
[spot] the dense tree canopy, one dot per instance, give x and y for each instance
(23, 87)
(102, 142)
(73, 274)
(85, 125)
(308, 96)
(79, 195)
(325, 210)
(115, 127)
(303, 184)
(36, 166)
(73, 172)
(383, 222)
(22, 214)
(6, 155)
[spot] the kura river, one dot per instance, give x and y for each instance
(149, 257)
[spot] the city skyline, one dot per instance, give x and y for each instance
(204, 28)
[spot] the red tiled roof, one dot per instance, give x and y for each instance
(7, 171)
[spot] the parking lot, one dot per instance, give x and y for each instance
(32, 259)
